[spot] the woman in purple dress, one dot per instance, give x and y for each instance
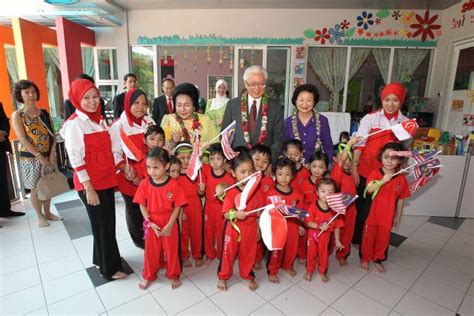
(306, 124)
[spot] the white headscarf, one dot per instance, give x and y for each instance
(219, 101)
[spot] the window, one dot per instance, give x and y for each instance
(247, 57)
(464, 79)
(142, 67)
(53, 82)
(107, 63)
(106, 76)
(88, 61)
(278, 67)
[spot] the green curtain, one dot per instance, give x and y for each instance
(358, 56)
(382, 58)
(88, 61)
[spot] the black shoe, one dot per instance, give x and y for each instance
(11, 213)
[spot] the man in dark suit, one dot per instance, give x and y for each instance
(163, 104)
(255, 79)
(5, 146)
(130, 81)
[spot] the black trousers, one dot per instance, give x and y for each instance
(363, 208)
(5, 205)
(134, 218)
(106, 253)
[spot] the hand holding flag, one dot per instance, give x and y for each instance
(403, 131)
(338, 202)
(195, 161)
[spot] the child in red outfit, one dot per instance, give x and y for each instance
(261, 157)
(191, 216)
(214, 174)
(293, 149)
(318, 221)
(175, 167)
(284, 170)
(386, 208)
(154, 138)
(318, 166)
(240, 229)
(160, 199)
(341, 173)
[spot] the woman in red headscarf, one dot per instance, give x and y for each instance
(129, 151)
(365, 152)
(89, 148)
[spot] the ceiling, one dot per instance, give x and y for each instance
(100, 13)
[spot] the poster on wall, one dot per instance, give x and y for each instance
(458, 105)
(468, 120)
(211, 85)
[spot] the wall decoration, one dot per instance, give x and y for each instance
(299, 66)
(381, 28)
(215, 40)
(457, 105)
(468, 120)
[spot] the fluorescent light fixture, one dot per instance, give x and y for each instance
(60, 2)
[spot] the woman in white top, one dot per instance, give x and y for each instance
(215, 107)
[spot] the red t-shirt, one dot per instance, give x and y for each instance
(382, 210)
(265, 184)
(345, 181)
(160, 199)
(308, 190)
(254, 202)
(319, 215)
(301, 174)
(211, 180)
(293, 198)
(190, 187)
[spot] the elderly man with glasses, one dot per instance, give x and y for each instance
(258, 119)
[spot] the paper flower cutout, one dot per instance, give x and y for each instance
(425, 26)
(364, 20)
(322, 36)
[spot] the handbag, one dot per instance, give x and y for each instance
(51, 185)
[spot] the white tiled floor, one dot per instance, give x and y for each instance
(42, 272)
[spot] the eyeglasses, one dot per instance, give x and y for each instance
(256, 84)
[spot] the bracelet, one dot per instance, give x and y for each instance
(232, 215)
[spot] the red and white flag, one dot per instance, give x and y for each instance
(273, 228)
(247, 192)
(226, 141)
(405, 130)
(195, 161)
(130, 150)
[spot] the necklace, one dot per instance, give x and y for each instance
(196, 126)
(296, 133)
(243, 109)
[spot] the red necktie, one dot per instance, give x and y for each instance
(252, 122)
(170, 106)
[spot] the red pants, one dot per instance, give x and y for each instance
(346, 233)
(284, 258)
(302, 245)
(260, 251)
(375, 241)
(213, 230)
(192, 229)
(155, 247)
(246, 249)
(318, 250)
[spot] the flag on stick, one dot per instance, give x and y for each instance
(405, 130)
(130, 150)
(226, 141)
(273, 228)
(426, 167)
(194, 162)
(340, 201)
(249, 189)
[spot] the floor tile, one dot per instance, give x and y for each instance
(84, 303)
(145, 305)
(349, 274)
(429, 238)
(396, 239)
(438, 230)
(415, 221)
(120, 291)
(331, 312)
(409, 260)
(16, 248)
(297, 301)
(97, 280)
(55, 252)
(187, 293)
(461, 244)
(205, 307)
(449, 276)
(420, 249)
(448, 222)
(354, 302)
(467, 226)
(23, 301)
(412, 304)
(300, 271)
(398, 275)
(66, 286)
(59, 237)
(76, 221)
(238, 299)
(327, 292)
(267, 309)
(19, 280)
(55, 269)
(68, 204)
(17, 262)
(455, 261)
(269, 290)
(467, 306)
(471, 289)
(437, 292)
(43, 311)
(206, 280)
(382, 291)
(7, 237)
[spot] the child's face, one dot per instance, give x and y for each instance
(347, 166)
(317, 168)
(216, 161)
(261, 161)
(243, 170)
(325, 190)
(388, 161)
(156, 169)
(294, 153)
(154, 141)
(283, 176)
(184, 157)
(174, 170)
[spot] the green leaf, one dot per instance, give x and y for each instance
(383, 13)
(309, 33)
(349, 32)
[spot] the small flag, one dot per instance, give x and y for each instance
(273, 228)
(298, 212)
(340, 201)
(130, 150)
(249, 189)
(194, 162)
(405, 153)
(405, 130)
(226, 141)
(427, 167)
(285, 209)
